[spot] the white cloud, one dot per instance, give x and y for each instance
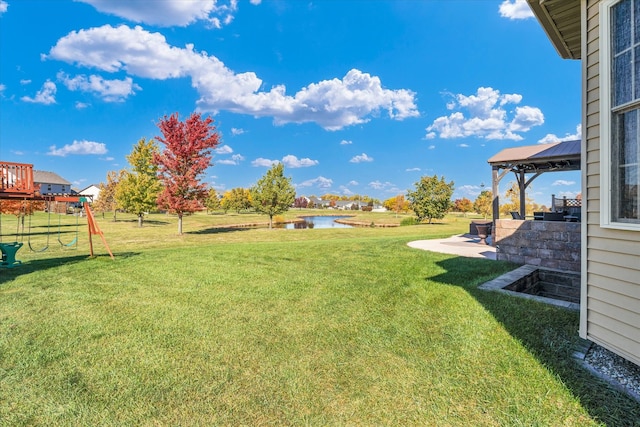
(432, 147)
(346, 191)
(568, 194)
(353, 183)
(463, 145)
(563, 182)
(345, 142)
(332, 104)
(3, 6)
(168, 13)
(319, 182)
(486, 117)
(46, 95)
(550, 138)
(526, 118)
(361, 158)
(515, 9)
(412, 170)
(78, 147)
(386, 186)
(255, 2)
(291, 161)
(81, 105)
(2, 88)
(264, 162)
(108, 90)
(469, 191)
(237, 131)
(234, 160)
(25, 82)
(224, 149)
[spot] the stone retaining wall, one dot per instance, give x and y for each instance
(550, 244)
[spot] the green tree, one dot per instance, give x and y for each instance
(483, 204)
(236, 199)
(138, 190)
(107, 199)
(212, 202)
(273, 194)
(431, 198)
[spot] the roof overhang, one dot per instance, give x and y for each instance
(560, 156)
(560, 19)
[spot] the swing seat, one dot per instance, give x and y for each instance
(9, 254)
(71, 243)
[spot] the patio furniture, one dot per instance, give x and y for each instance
(553, 216)
(516, 215)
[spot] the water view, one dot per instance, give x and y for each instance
(318, 222)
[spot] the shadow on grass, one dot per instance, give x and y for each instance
(8, 274)
(218, 230)
(549, 333)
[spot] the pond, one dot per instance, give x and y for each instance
(317, 222)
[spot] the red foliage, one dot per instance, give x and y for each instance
(21, 207)
(186, 157)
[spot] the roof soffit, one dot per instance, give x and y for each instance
(560, 19)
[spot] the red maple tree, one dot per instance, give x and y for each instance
(186, 156)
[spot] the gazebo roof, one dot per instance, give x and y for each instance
(559, 156)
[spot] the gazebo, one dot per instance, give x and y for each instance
(528, 163)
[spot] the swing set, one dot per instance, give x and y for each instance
(16, 183)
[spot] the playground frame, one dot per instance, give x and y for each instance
(16, 182)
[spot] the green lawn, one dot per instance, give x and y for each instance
(281, 327)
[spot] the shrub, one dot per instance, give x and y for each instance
(278, 219)
(411, 220)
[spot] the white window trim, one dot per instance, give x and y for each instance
(605, 121)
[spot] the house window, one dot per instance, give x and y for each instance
(620, 113)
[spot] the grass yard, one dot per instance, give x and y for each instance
(282, 327)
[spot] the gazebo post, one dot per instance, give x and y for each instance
(523, 188)
(494, 189)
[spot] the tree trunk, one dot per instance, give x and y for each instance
(180, 224)
(270, 222)
(140, 217)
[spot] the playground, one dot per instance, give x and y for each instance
(20, 200)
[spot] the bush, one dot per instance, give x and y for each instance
(411, 220)
(278, 219)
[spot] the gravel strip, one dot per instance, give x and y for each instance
(617, 370)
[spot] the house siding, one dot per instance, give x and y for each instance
(610, 309)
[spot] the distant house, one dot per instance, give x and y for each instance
(318, 203)
(605, 35)
(91, 192)
(52, 184)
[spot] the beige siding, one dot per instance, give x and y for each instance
(611, 312)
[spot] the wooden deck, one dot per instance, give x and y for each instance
(16, 180)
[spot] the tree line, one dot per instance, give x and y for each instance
(170, 179)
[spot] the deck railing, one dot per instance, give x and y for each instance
(564, 205)
(16, 180)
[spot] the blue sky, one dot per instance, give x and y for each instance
(353, 96)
